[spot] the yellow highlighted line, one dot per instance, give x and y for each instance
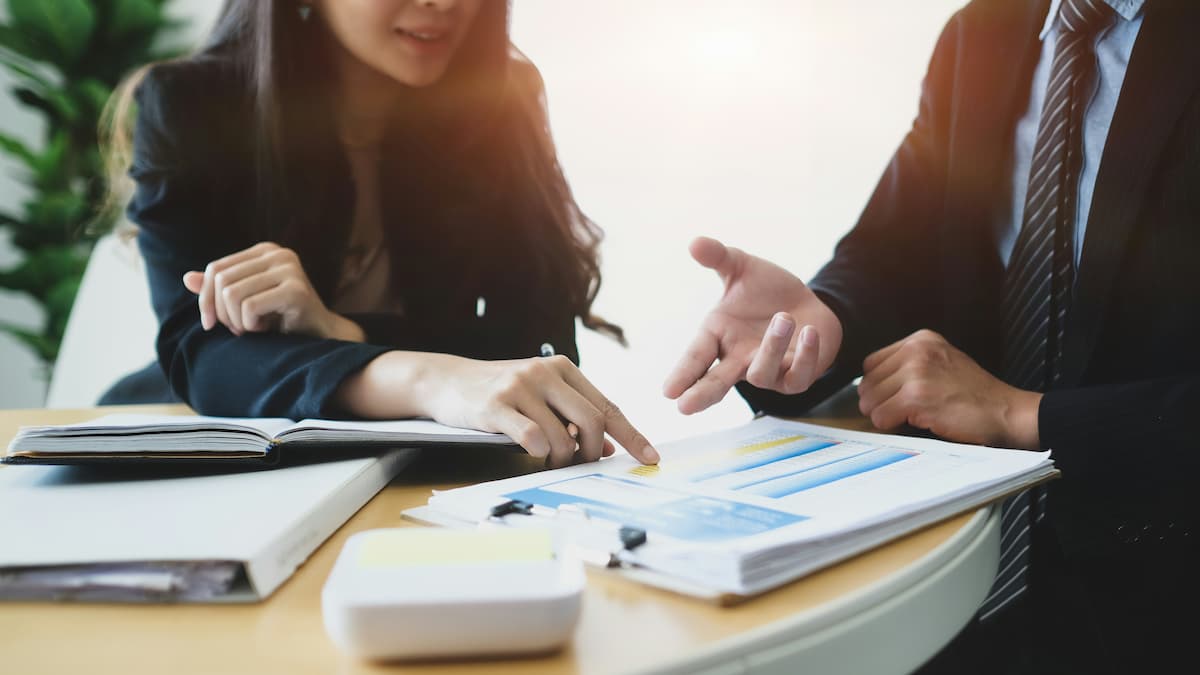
(747, 449)
(713, 457)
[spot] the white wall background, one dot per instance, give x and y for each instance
(765, 123)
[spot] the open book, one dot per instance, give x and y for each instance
(188, 437)
(736, 513)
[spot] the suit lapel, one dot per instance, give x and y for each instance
(1163, 72)
(1000, 51)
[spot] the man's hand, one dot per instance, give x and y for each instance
(924, 381)
(768, 328)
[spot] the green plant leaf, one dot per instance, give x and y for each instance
(15, 41)
(54, 218)
(58, 303)
(38, 102)
(92, 94)
(45, 347)
(43, 269)
(133, 16)
(26, 70)
(64, 25)
(19, 150)
(66, 56)
(56, 103)
(51, 171)
(11, 221)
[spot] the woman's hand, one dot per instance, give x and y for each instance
(264, 288)
(544, 404)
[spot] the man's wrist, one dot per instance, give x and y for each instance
(1022, 420)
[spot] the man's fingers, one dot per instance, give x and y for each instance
(615, 422)
(878, 388)
(711, 388)
(890, 414)
(873, 360)
(768, 363)
(715, 256)
(800, 375)
(695, 363)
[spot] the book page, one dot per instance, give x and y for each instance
(143, 436)
(413, 429)
(129, 424)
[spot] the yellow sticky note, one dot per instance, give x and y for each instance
(405, 547)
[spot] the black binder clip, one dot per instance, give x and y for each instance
(632, 537)
(512, 506)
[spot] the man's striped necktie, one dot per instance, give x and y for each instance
(1037, 284)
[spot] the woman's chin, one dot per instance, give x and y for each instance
(417, 77)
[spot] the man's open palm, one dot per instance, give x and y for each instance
(752, 332)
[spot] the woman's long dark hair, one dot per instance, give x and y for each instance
(483, 128)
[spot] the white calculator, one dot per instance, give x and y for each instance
(427, 593)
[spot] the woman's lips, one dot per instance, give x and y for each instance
(425, 41)
(424, 34)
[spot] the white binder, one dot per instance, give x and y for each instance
(173, 534)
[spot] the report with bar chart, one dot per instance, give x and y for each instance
(743, 510)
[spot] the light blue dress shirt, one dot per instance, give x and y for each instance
(1113, 47)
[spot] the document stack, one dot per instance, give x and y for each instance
(736, 513)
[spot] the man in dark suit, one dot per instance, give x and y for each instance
(1022, 277)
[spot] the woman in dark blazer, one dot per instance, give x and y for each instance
(355, 209)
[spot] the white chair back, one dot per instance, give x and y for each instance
(111, 330)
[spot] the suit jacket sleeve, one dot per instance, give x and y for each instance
(882, 282)
(1128, 424)
(181, 184)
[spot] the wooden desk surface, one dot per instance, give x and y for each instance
(624, 627)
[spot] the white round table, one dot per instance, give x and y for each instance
(889, 627)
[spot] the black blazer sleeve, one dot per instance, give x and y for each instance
(1142, 425)
(181, 208)
(882, 282)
